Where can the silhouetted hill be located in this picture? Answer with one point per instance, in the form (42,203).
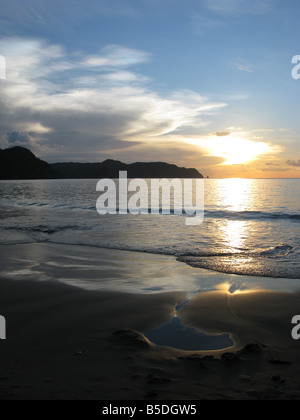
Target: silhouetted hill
(111,168)
(20,163)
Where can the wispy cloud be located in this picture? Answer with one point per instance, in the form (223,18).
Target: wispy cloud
(247,69)
(116,56)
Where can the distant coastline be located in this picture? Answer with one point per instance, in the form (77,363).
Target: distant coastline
(19,163)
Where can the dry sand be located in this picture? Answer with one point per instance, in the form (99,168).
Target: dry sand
(64,342)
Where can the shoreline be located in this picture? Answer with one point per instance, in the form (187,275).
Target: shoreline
(64,342)
(173,273)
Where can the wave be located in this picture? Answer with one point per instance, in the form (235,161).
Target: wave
(251,215)
(62,206)
(274,262)
(210,214)
(272,252)
(42,229)
(277,251)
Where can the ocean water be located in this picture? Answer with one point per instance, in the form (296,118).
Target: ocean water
(251,227)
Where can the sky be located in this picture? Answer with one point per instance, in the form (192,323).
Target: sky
(208,84)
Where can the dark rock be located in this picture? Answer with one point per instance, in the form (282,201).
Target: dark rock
(230,357)
(131,338)
(208,358)
(251,349)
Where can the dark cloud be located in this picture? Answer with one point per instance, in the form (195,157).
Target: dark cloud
(295,163)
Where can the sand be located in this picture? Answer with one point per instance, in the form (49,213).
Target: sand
(64,342)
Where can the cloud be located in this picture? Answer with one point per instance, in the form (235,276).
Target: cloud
(274,168)
(221,134)
(245,68)
(234,128)
(295,163)
(264,130)
(117,56)
(77,105)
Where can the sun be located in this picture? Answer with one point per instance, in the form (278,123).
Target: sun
(238,150)
(235,150)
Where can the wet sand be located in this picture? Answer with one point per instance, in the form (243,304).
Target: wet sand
(64,342)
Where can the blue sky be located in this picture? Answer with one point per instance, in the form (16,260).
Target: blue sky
(202,83)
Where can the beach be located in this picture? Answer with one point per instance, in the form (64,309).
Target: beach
(69,342)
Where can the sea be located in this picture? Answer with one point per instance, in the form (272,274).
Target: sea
(250,226)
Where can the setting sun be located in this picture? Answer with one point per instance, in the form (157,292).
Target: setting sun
(234,150)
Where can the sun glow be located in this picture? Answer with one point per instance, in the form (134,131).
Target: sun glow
(235,150)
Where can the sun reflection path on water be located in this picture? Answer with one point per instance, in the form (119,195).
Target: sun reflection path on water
(236,196)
